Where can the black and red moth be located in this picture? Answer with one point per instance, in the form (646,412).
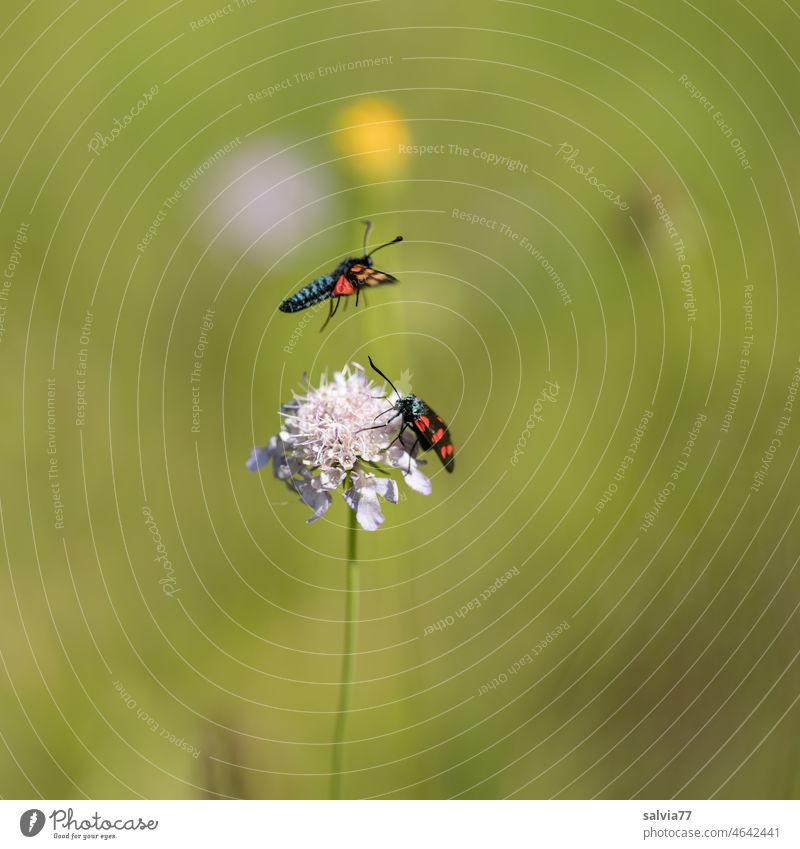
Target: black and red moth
(427,426)
(350,276)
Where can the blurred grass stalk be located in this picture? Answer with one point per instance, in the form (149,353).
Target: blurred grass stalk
(348,657)
(370,134)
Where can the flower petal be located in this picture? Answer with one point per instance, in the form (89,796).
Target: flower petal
(261,456)
(387,488)
(258,458)
(318,500)
(330,478)
(417,481)
(364,503)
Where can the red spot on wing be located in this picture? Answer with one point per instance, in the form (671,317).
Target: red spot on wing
(437,436)
(419,425)
(426,422)
(343,287)
(443,450)
(448,449)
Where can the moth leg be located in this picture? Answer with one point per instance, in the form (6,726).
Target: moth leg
(399,433)
(411,453)
(331,312)
(385,424)
(325,323)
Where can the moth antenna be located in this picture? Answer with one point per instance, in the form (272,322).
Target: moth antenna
(331,312)
(375,368)
(366,235)
(380,247)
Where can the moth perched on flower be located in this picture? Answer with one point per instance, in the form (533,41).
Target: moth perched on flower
(428,427)
(325,443)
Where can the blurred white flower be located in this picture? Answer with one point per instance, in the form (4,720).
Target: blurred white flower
(265,199)
(328,440)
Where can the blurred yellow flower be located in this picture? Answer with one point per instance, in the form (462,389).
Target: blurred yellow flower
(373,133)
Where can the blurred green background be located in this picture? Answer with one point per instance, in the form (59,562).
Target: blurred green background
(245,172)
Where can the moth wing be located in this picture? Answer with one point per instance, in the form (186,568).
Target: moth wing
(363,275)
(434,434)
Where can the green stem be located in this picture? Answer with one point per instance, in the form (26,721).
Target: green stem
(348,658)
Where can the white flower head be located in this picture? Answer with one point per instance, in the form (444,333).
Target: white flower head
(329,440)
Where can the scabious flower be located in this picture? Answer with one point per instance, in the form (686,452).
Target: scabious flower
(324,445)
